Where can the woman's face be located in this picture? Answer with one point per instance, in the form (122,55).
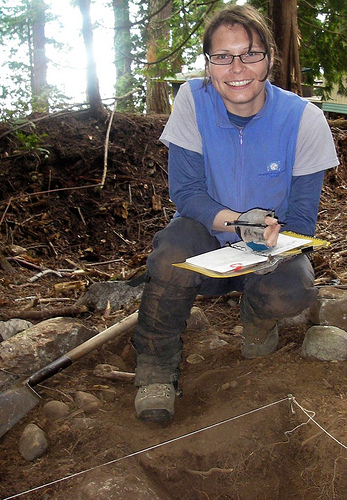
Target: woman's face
(239,84)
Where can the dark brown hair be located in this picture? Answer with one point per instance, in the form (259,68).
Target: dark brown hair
(251,20)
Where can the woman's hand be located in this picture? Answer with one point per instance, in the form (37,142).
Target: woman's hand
(261,237)
(271,232)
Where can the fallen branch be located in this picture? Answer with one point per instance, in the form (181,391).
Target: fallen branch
(113,373)
(47,313)
(120,98)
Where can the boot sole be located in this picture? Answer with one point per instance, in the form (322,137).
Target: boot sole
(155,415)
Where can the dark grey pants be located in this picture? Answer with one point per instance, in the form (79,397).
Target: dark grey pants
(170,293)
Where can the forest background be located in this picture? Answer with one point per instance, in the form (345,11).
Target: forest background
(152,42)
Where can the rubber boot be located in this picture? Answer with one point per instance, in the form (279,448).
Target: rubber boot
(163,313)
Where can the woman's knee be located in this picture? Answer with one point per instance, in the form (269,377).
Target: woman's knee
(181,239)
(285,292)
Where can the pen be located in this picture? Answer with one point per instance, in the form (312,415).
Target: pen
(249,224)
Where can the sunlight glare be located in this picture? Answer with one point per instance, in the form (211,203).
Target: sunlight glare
(68,68)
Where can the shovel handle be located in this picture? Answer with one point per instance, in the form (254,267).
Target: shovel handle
(78,352)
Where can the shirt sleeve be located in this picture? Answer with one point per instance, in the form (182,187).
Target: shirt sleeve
(303,203)
(187,186)
(182,128)
(315,148)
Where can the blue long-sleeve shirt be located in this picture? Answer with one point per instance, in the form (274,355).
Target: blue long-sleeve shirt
(188,192)
(276,161)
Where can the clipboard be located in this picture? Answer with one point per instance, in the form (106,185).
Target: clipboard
(238,259)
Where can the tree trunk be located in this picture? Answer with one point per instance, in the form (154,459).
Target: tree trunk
(157,98)
(93,93)
(125,82)
(39,89)
(285,25)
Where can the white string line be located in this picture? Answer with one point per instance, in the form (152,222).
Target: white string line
(144,450)
(287,433)
(307,413)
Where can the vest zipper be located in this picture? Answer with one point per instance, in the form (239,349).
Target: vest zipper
(241,136)
(240,170)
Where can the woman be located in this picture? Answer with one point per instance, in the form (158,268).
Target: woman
(240,149)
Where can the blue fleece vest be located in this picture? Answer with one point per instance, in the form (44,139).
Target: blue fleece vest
(250,167)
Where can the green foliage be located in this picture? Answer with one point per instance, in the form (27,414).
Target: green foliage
(125,84)
(323,28)
(31,143)
(323,48)
(185,28)
(323,41)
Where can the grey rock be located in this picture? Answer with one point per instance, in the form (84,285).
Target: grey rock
(120,485)
(116,360)
(54,410)
(87,402)
(197,319)
(117,294)
(12,327)
(33,442)
(327,343)
(34,348)
(330,308)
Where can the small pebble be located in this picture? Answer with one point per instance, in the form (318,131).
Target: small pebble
(237,330)
(194,359)
(87,402)
(117,361)
(197,319)
(84,423)
(217,343)
(233,303)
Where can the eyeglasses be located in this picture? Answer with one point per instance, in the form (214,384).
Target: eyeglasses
(246,58)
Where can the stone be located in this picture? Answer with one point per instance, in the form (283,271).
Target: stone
(85,423)
(330,308)
(54,410)
(122,484)
(33,442)
(116,360)
(194,359)
(237,330)
(216,343)
(107,395)
(113,294)
(12,327)
(87,402)
(327,343)
(197,319)
(37,346)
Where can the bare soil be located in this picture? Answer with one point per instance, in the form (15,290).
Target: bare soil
(230,436)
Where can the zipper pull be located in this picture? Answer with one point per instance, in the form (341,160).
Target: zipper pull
(241,136)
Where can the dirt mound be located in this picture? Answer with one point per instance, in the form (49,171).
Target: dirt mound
(236,433)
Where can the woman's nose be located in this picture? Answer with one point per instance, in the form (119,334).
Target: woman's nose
(237,65)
